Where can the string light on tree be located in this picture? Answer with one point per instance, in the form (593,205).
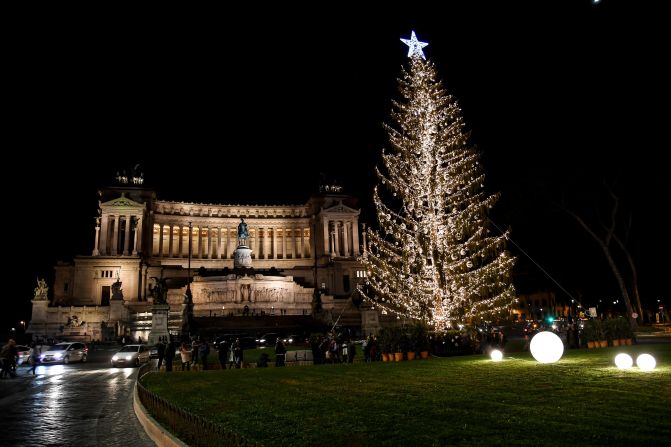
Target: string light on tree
(433,258)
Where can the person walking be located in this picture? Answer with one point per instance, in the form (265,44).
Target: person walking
(8,358)
(224,349)
(169,355)
(280,352)
(185,354)
(204,351)
(160,353)
(34,356)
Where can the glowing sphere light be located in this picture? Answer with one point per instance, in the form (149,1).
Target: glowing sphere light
(546,347)
(623,361)
(496,355)
(646,362)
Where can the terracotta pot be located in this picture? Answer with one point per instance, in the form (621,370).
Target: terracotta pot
(623,341)
(385,357)
(628,341)
(411,355)
(424,355)
(398,356)
(616,342)
(591,344)
(603,343)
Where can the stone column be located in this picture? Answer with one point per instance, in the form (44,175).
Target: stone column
(104,233)
(337,237)
(294,244)
(171,245)
(115,235)
(284,243)
(160,240)
(325,224)
(355,237)
(308,245)
(96,252)
(138,235)
(302,239)
(345,236)
(209,243)
(180,242)
(232,238)
(273,243)
(219,253)
(200,241)
(266,243)
(126,239)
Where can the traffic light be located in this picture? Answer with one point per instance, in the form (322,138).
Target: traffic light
(551,319)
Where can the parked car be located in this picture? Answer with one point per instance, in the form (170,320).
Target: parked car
(294,340)
(22,351)
(65,353)
(268,339)
(131,355)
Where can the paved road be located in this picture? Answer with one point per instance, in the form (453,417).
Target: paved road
(86,404)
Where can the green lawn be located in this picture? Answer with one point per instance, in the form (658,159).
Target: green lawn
(583,400)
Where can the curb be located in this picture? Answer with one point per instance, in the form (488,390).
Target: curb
(154,430)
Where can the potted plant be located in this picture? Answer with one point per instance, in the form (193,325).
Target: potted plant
(420,338)
(395,344)
(385,343)
(626,334)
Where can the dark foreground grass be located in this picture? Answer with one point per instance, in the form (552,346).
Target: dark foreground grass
(581,400)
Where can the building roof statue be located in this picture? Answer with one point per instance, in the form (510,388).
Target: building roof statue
(41,290)
(243,232)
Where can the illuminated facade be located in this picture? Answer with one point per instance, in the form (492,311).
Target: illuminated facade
(140,240)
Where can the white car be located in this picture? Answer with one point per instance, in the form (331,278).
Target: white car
(130,355)
(65,353)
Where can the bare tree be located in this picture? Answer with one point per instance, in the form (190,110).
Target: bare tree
(632,265)
(604,242)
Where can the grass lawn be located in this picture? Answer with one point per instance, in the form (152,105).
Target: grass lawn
(581,400)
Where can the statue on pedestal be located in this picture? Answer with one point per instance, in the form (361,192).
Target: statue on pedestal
(117,291)
(243,232)
(160,291)
(41,290)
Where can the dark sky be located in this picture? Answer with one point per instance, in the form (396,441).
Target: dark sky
(249,107)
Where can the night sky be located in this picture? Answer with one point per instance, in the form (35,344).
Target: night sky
(233,107)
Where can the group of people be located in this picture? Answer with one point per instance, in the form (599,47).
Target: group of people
(230,354)
(9,356)
(333,349)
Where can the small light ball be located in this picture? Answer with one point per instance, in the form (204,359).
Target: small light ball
(646,362)
(623,361)
(546,347)
(496,355)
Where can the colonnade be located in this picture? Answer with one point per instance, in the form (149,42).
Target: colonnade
(220,241)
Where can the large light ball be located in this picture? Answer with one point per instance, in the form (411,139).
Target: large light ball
(623,361)
(496,355)
(646,362)
(546,347)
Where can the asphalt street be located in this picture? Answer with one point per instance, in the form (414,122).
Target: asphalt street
(82,404)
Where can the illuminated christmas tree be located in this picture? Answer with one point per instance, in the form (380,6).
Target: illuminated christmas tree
(432,258)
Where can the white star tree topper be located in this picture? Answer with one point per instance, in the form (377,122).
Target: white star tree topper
(414,46)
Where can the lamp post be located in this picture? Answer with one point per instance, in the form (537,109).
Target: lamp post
(187,306)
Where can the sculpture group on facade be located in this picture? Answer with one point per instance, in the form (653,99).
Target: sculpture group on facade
(41,290)
(117,291)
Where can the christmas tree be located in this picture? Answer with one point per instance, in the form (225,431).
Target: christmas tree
(432,258)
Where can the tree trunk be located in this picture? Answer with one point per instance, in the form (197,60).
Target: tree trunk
(604,244)
(634,276)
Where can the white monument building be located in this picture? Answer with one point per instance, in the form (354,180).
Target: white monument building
(139,241)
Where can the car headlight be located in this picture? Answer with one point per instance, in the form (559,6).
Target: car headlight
(58,355)
(115,358)
(129,357)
